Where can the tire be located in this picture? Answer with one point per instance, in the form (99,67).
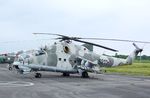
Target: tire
(38,75)
(66,74)
(85,75)
(10,68)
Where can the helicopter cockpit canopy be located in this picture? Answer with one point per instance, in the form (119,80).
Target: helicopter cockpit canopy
(39,52)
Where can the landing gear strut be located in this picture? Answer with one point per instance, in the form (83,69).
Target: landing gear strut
(38,75)
(83,73)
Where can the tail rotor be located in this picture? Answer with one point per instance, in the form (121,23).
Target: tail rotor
(139,50)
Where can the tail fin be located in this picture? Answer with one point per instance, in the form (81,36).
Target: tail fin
(132,56)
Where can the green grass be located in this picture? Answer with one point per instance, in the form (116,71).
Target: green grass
(140,69)
(142,61)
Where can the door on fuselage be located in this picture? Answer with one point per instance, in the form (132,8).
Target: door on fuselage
(63,63)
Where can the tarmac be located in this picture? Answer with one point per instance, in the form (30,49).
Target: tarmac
(53,85)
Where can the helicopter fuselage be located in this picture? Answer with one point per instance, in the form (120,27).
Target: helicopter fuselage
(65,57)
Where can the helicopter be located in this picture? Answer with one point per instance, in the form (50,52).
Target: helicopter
(68,58)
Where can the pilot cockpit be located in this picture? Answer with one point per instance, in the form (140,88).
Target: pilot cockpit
(40,52)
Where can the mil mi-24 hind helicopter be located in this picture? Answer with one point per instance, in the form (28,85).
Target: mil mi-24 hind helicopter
(68,58)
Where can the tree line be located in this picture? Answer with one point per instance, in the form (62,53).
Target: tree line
(142,57)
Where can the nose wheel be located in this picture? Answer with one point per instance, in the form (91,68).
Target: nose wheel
(38,75)
(10,68)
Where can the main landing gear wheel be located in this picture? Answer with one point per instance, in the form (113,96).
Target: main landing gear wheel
(66,74)
(85,75)
(38,75)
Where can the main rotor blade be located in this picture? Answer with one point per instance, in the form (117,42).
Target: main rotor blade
(96,45)
(63,37)
(117,40)
(77,39)
(73,38)
(50,34)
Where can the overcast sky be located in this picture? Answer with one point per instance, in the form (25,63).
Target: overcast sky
(122,19)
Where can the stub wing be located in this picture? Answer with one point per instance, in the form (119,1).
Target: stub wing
(27,68)
(87,60)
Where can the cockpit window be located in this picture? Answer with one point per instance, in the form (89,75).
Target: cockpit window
(39,52)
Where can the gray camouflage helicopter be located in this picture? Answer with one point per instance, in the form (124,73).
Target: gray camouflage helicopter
(68,58)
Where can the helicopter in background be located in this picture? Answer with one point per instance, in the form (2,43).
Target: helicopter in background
(68,58)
